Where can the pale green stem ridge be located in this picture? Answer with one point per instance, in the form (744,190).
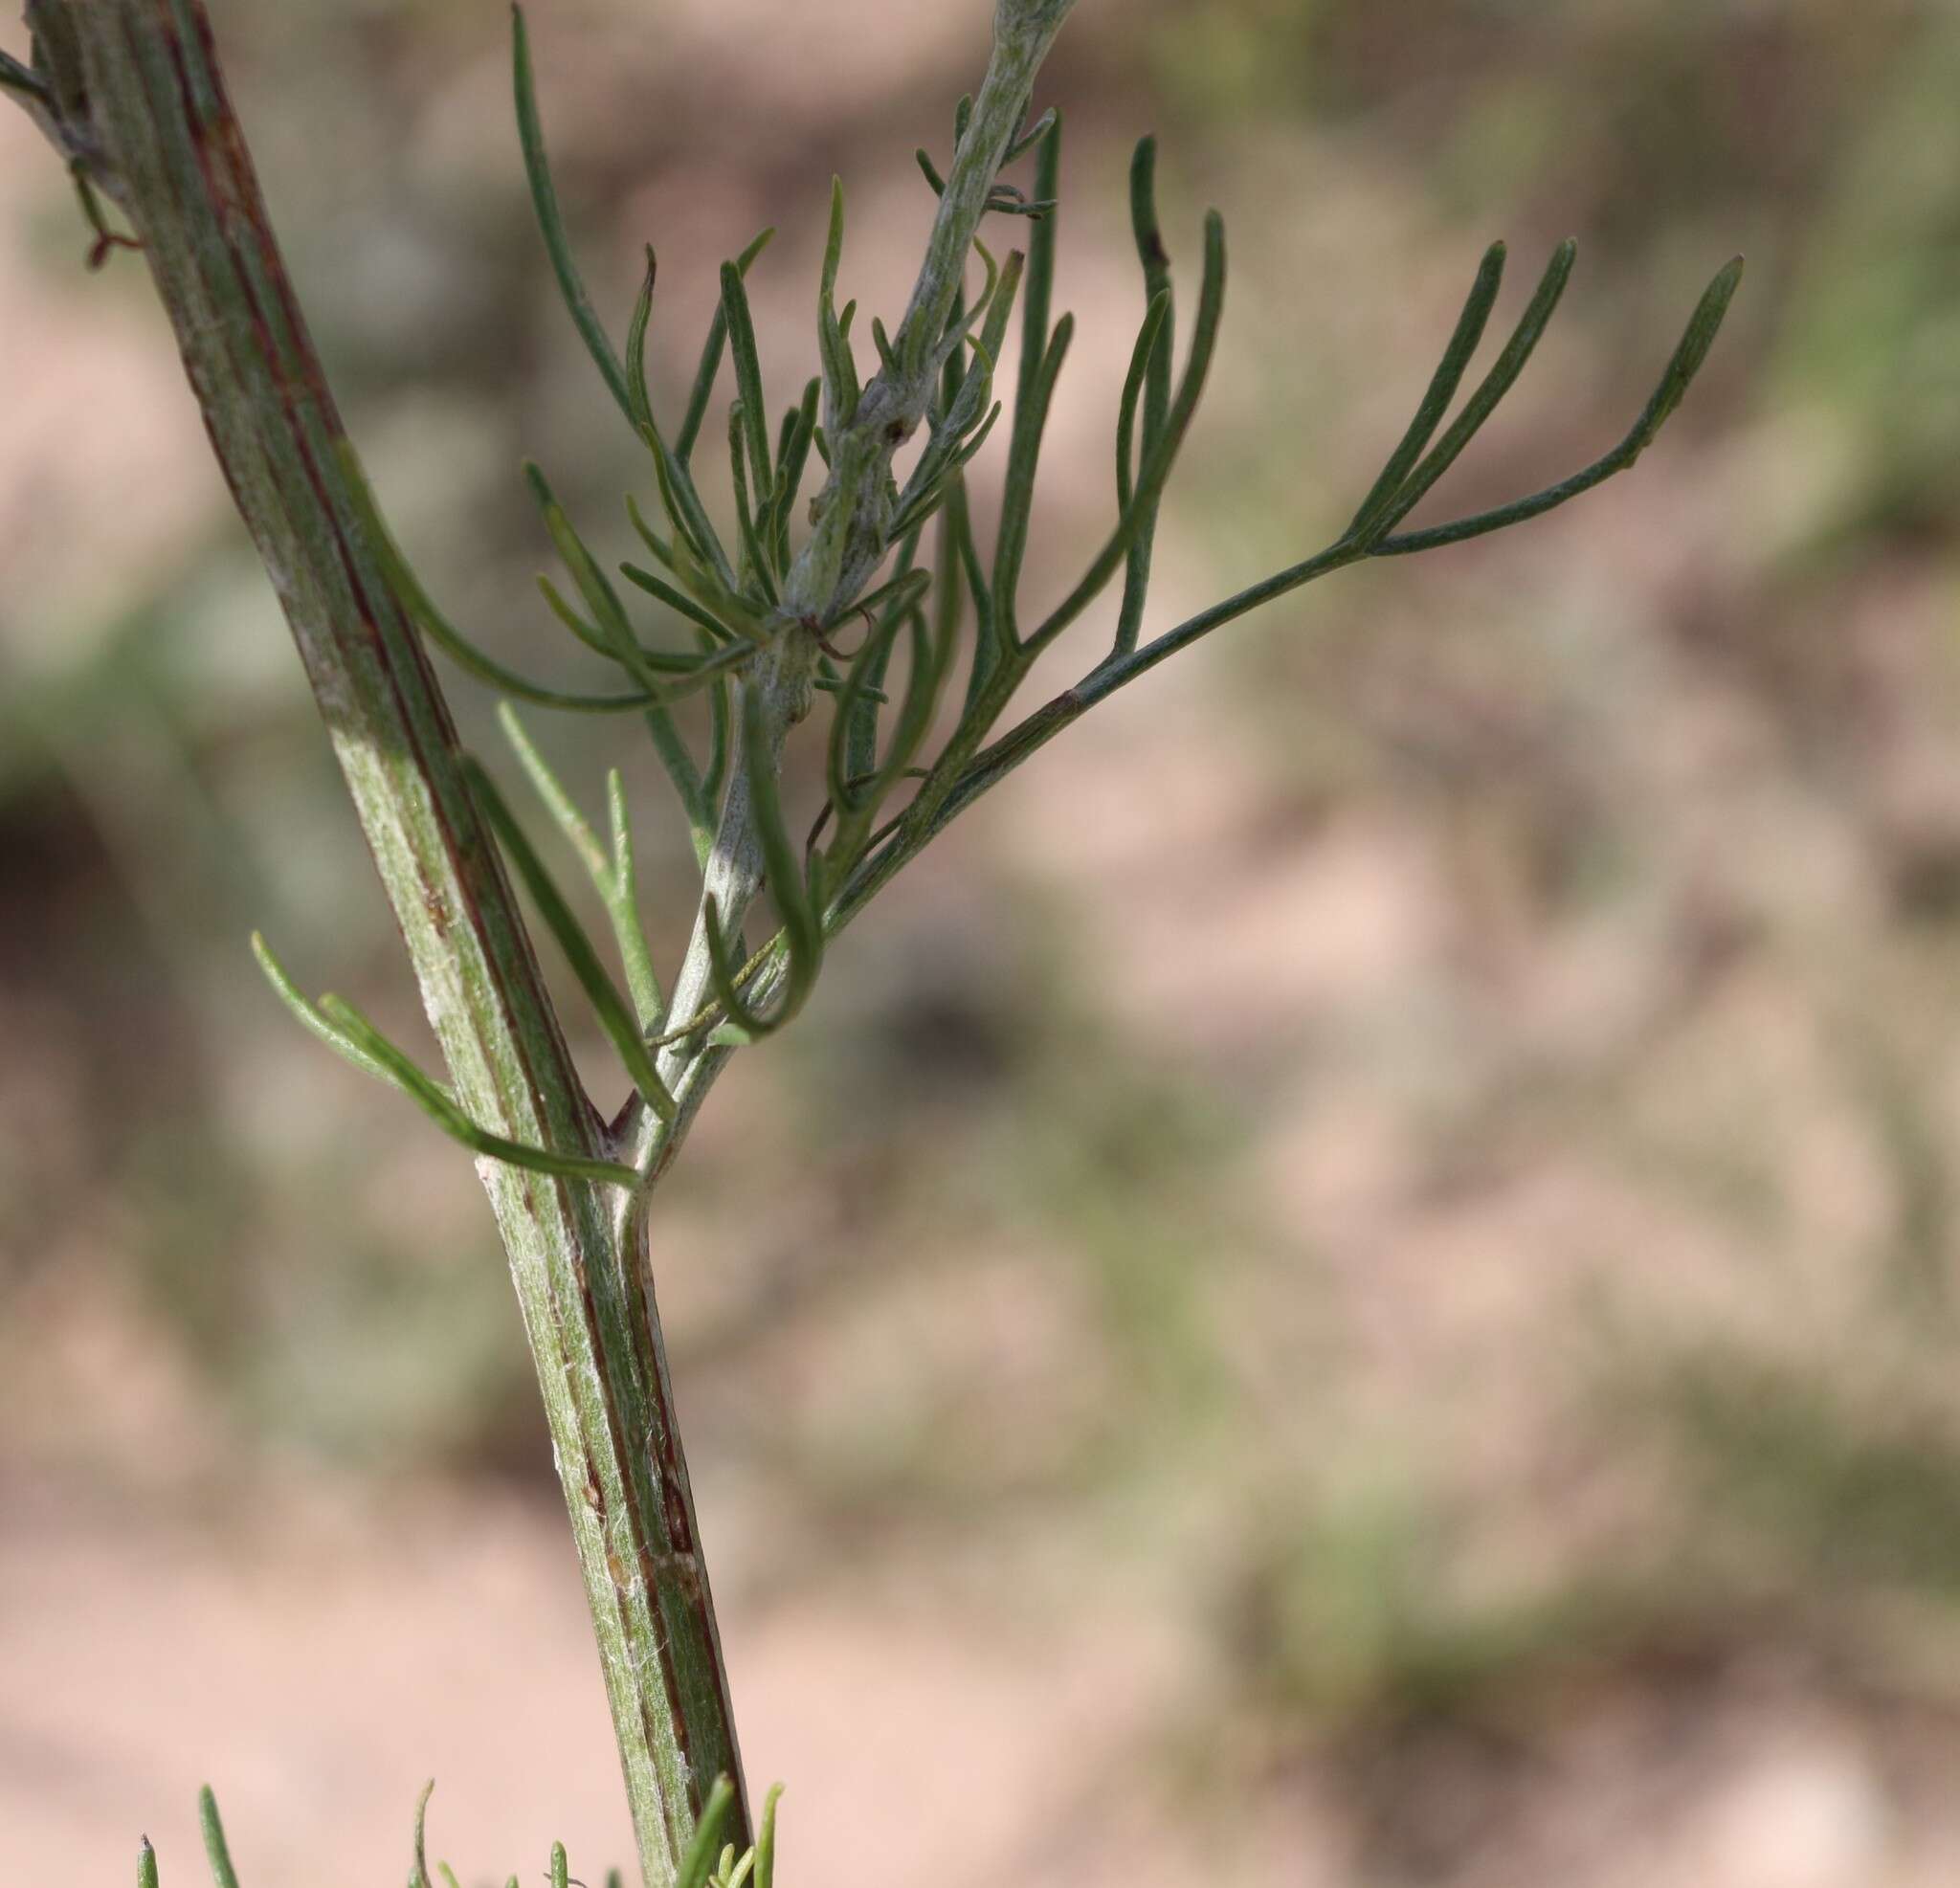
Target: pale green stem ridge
(167,137)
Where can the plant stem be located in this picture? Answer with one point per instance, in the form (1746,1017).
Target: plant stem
(854,532)
(141,106)
(160,126)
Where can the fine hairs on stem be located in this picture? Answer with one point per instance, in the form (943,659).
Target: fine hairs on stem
(816,601)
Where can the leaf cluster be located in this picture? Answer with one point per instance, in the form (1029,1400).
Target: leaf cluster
(772,598)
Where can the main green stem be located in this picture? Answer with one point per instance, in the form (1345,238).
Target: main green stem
(160,134)
(141,106)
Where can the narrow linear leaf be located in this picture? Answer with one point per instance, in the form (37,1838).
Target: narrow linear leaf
(309,1018)
(608,1004)
(1017,496)
(1154,318)
(740,327)
(1442,389)
(755,558)
(1157,464)
(721,725)
(421,611)
(840,389)
(790,464)
(1686,362)
(1481,404)
(901,592)
(418,1876)
(216,1850)
(441,1107)
(703,389)
(1147,229)
(622,900)
(783,874)
(345,1031)
(689,516)
(858,717)
(677,601)
(558,802)
(642,412)
(850,762)
(699,1857)
(551,223)
(600,597)
(1037,287)
(660,661)
(677,761)
(765,1840)
(1031,136)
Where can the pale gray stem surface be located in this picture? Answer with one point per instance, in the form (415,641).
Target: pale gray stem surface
(854,511)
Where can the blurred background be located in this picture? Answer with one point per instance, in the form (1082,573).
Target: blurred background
(1355,1283)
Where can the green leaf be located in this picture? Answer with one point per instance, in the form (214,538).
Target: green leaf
(858,716)
(623,901)
(1442,389)
(747,375)
(1158,463)
(600,597)
(840,389)
(684,508)
(419,1873)
(345,1031)
(551,223)
(765,1840)
(711,353)
(851,756)
(783,874)
(1018,495)
(720,732)
(608,1004)
(309,1018)
(421,611)
(558,802)
(1037,289)
(676,600)
(791,463)
(1140,360)
(755,558)
(1031,136)
(1682,368)
(642,414)
(1147,233)
(216,1851)
(146,1865)
(699,1857)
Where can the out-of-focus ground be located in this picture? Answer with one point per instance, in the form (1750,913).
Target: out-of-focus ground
(1353,1284)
